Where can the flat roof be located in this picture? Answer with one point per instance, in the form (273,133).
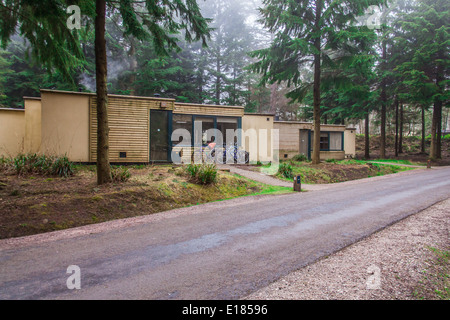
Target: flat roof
(207,105)
(109,95)
(301,122)
(12,109)
(31,98)
(259,114)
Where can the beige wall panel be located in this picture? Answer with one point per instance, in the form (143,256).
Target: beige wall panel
(12,132)
(33,125)
(350,143)
(336,155)
(289,135)
(259,148)
(65,125)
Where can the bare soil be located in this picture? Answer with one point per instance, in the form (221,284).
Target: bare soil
(35,204)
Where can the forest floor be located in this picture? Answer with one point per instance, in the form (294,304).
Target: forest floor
(411,150)
(34,204)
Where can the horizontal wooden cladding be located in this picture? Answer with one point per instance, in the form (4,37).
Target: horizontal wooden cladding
(210,110)
(128,124)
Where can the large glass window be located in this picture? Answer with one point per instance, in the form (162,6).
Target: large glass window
(182,121)
(228,127)
(203,127)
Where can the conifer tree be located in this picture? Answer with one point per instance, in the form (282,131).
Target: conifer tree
(309,35)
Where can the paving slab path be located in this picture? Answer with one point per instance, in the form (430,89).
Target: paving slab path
(267,179)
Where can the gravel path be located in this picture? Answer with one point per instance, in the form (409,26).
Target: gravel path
(399,254)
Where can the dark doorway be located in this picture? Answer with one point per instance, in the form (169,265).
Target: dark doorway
(159,135)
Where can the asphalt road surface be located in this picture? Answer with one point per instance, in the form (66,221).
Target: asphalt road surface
(222,250)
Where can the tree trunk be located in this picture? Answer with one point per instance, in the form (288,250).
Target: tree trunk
(400,140)
(439,83)
(133,67)
(103,166)
(433,146)
(436,128)
(422,143)
(366,138)
(273,98)
(316,92)
(396,127)
(439,130)
(383,107)
(218,73)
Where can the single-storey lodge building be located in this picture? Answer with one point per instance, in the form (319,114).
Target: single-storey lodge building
(145,130)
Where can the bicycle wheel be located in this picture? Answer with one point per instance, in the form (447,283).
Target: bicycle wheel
(241,157)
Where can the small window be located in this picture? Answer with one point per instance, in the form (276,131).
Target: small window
(324,142)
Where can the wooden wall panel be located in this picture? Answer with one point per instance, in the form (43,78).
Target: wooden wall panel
(129,128)
(184,108)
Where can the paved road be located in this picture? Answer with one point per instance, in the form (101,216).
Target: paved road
(222,250)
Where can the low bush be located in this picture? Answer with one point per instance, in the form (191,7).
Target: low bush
(207,174)
(192,170)
(61,167)
(202,173)
(300,158)
(120,174)
(38,164)
(286,170)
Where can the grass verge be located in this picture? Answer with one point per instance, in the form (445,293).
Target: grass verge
(334,171)
(435,284)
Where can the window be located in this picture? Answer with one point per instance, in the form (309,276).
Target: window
(203,127)
(329,141)
(324,142)
(228,127)
(182,121)
(335,142)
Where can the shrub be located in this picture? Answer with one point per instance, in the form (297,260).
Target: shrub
(39,164)
(207,174)
(300,158)
(24,163)
(120,174)
(202,173)
(192,170)
(331,160)
(60,167)
(286,170)
(5,163)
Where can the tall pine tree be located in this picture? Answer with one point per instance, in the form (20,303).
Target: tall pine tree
(309,34)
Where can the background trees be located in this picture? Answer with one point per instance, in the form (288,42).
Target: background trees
(317,35)
(394,79)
